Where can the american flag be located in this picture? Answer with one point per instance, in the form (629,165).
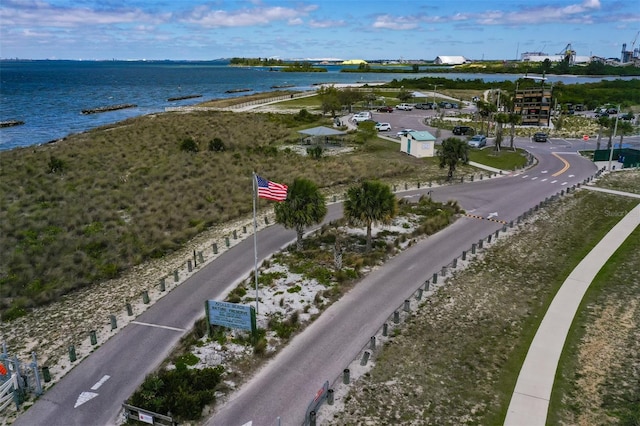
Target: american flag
(271,190)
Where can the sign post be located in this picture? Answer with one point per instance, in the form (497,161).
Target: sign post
(231,315)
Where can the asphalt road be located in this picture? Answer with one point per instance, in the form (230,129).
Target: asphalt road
(92,393)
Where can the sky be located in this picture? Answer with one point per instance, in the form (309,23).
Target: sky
(316,29)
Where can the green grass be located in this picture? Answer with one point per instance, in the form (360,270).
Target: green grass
(504,160)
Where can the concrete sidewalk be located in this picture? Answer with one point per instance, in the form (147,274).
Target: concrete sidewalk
(530,401)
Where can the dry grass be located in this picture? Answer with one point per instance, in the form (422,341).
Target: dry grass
(457,359)
(127,193)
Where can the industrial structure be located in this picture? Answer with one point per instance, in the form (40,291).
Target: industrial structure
(631,55)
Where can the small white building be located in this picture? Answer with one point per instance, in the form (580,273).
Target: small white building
(418,144)
(451,60)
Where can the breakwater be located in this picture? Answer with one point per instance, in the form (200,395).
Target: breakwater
(11,123)
(108,108)
(237,90)
(180,98)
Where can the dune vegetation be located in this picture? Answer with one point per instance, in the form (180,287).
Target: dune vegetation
(85,209)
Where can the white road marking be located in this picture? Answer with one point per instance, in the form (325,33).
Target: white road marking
(492,215)
(84,397)
(166,327)
(544,180)
(534,178)
(563,183)
(572,175)
(544,171)
(100,382)
(525,176)
(553,181)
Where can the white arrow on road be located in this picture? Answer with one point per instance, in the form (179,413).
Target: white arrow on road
(84,397)
(494,214)
(88,396)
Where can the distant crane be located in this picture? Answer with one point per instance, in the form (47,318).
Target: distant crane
(569,55)
(629,55)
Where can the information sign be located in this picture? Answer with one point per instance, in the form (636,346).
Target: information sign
(231,315)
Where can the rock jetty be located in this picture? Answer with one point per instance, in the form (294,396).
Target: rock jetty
(11,123)
(179,98)
(238,90)
(108,108)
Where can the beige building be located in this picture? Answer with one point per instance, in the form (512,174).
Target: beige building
(418,144)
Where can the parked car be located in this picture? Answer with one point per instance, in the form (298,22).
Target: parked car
(405,107)
(445,105)
(385,108)
(361,116)
(463,130)
(383,127)
(424,105)
(540,137)
(478,141)
(404,132)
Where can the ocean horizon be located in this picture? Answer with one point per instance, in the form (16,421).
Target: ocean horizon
(49,96)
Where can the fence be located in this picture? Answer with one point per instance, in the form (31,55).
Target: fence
(17,379)
(431,285)
(243,105)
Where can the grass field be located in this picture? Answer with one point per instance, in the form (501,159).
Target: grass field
(456,361)
(83,210)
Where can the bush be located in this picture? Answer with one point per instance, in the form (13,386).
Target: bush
(315,152)
(216,145)
(184,393)
(189,145)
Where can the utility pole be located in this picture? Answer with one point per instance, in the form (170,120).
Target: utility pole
(434,94)
(613,139)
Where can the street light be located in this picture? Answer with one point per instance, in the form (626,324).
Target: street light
(434,94)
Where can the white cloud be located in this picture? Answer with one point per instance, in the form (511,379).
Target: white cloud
(326,24)
(389,22)
(204,16)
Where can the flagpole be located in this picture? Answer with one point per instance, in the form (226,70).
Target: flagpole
(255,238)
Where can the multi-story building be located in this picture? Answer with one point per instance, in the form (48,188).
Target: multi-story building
(534,105)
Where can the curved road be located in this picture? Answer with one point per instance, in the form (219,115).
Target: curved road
(92,393)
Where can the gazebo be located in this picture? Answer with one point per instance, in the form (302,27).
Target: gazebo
(321,134)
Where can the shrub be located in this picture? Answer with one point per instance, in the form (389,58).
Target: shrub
(184,393)
(189,145)
(55,165)
(315,152)
(216,145)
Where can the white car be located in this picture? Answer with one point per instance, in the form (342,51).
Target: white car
(383,127)
(361,116)
(404,132)
(405,107)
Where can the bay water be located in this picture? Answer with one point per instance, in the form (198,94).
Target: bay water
(50,95)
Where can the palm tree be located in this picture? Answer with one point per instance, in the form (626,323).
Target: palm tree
(514,120)
(304,206)
(368,203)
(501,118)
(453,151)
(624,128)
(486,109)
